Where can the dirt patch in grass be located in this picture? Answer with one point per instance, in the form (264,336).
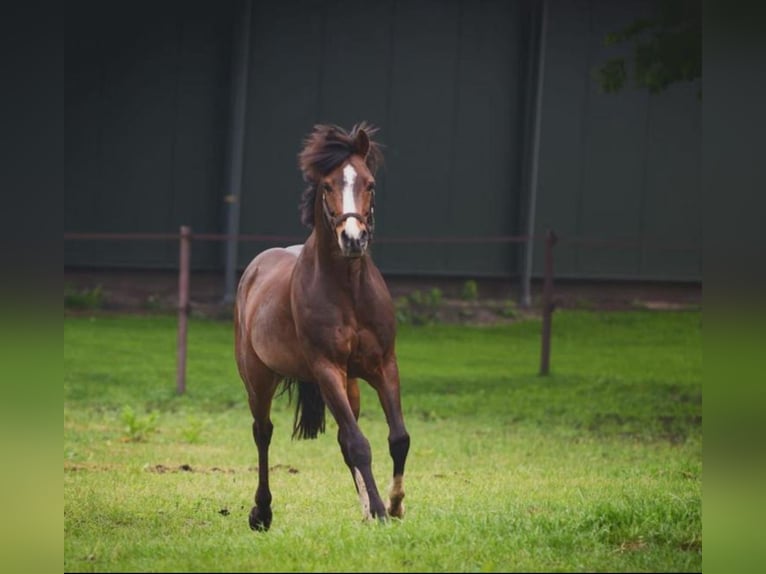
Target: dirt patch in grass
(165,469)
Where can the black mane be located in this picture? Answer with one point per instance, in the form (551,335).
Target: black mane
(327,147)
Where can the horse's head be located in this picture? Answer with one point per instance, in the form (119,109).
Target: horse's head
(340,166)
(348,202)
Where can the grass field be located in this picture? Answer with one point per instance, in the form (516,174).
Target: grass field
(597,467)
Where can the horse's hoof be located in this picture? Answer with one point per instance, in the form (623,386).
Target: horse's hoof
(375,519)
(259,521)
(396,509)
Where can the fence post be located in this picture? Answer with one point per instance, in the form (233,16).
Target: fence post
(183,305)
(548,304)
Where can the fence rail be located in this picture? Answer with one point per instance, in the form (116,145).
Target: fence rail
(185,236)
(295,238)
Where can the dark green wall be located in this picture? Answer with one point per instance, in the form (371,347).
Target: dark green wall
(146,104)
(619,167)
(148,100)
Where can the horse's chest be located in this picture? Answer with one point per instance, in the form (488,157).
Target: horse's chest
(366,352)
(350,330)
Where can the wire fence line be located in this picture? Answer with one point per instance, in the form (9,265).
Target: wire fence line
(185,237)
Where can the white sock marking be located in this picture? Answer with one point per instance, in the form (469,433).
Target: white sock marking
(395,506)
(364,498)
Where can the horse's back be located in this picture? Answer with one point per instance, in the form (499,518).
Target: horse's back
(296,249)
(266,277)
(269,265)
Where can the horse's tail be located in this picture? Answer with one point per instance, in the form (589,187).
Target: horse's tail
(309,409)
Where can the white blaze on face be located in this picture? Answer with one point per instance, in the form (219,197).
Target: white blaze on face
(351,225)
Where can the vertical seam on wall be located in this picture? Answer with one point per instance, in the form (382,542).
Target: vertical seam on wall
(170,248)
(584,136)
(536,124)
(322,55)
(389,136)
(390,70)
(102,113)
(524,138)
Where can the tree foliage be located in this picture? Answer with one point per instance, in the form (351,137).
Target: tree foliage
(667,48)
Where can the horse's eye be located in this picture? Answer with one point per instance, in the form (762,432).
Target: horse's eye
(327,188)
(371,186)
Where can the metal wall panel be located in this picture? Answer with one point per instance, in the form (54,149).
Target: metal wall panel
(672,208)
(148,104)
(621,167)
(145,103)
(566,89)
(420,134)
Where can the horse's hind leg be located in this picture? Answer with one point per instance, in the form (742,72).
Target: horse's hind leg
(261,383)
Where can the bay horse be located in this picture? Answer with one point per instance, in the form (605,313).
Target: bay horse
(319,316)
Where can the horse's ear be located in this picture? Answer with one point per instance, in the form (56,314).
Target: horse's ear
(362,143)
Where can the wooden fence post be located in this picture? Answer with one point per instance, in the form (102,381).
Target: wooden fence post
(183,305)
(548,304)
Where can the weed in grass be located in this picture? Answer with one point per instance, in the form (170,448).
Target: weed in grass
(469,291)
(402,307)
(509,310)
(192,432)
(419,307)
(138,428)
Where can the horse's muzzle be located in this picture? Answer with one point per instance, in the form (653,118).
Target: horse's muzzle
(354,246)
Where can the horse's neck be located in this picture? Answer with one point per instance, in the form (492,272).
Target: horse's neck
(333,270)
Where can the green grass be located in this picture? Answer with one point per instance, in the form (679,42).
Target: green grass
(596,467)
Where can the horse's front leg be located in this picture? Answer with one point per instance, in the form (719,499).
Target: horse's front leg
(353,444)
(387,387)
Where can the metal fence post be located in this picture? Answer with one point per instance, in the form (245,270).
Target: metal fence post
(183,305)
(548,304)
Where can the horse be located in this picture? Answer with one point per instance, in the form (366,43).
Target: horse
(319,316)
